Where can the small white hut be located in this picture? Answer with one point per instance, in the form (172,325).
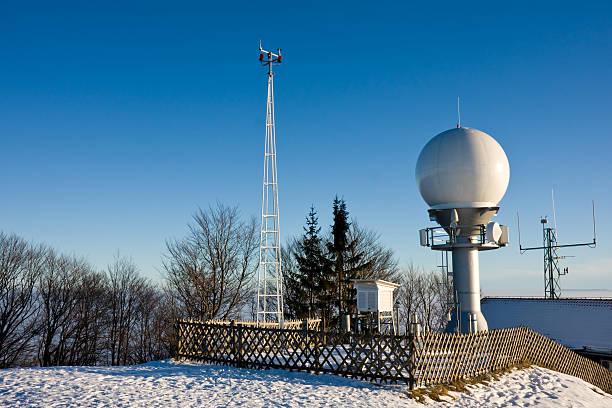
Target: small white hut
(376,296)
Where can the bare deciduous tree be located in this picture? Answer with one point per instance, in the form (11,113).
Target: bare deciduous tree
(126,290)
(91,319)
(20,268)
(209,272)
(151,327)
(379,262)
(57,310)
(423,297)
(374,261)
(406,295)
(59,289)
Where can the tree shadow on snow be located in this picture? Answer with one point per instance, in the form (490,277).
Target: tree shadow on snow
(167,368)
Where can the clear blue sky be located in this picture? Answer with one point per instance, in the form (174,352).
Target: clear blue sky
(118,121)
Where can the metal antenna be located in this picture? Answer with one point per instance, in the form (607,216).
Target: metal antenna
(552,271)
(552,194)
(518,220)
(594,234)
(458,114)
(269,273)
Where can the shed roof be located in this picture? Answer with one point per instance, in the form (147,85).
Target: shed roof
(378,282)
(577,323)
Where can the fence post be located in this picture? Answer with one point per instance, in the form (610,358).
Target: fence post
(239,345)
(318,344)
(233,356)
(323,334)
(412,361)
(177,333)
(305,332)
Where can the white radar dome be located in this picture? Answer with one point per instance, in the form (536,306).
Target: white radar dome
(462,168)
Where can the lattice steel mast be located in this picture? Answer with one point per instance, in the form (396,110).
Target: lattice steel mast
(269,275)
(552,269)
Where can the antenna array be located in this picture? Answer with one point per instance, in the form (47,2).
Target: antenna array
(552,270)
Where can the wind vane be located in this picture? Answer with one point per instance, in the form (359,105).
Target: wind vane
(269,58)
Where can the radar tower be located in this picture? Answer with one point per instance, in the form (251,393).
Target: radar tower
(462,174)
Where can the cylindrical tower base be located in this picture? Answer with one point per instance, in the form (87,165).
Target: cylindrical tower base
(466,292)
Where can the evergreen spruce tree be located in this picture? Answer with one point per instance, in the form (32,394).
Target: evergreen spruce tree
(346,257)
(293,291)
(337,247)
(317,280)
(310,283)
(309,262)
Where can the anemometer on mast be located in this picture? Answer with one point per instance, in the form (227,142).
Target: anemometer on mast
(552,270)
(268,58)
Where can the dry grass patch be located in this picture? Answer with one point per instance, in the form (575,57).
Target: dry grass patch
(436,391)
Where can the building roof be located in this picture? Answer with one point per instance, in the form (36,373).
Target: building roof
(377,282)
(577,323)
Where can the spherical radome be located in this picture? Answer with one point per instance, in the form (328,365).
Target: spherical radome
(462,168)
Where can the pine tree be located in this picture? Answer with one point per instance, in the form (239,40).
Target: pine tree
(317,278)
(337,247)
(347,258)
(294,293)
(310,283)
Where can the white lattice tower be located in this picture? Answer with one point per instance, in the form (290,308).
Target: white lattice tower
(270,276)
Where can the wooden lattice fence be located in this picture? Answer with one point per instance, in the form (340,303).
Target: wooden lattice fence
(313,324)
(430,358)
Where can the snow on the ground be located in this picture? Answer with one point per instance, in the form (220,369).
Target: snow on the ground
(169,384)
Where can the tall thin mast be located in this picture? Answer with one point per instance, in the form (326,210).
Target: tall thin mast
(269,275)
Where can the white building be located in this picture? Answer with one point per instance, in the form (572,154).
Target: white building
(581,324)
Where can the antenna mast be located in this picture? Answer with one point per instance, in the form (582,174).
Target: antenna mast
(269,274)
(552,270)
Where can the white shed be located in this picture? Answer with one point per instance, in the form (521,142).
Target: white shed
(374,295)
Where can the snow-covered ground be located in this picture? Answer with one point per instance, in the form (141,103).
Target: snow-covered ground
(169,384)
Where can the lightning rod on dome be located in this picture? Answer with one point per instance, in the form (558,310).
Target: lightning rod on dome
(458,114)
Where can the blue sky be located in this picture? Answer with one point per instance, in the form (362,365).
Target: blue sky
(118,121)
